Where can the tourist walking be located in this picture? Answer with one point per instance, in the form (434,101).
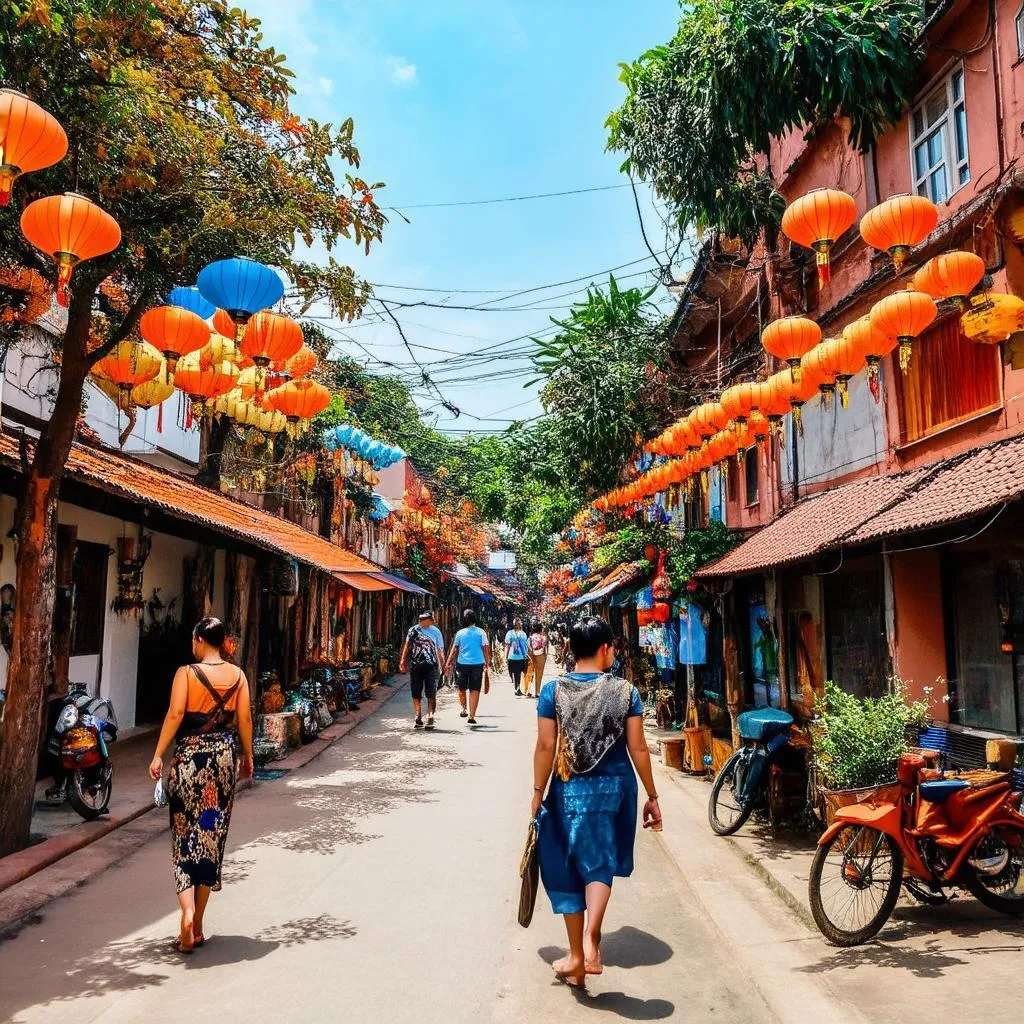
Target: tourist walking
(422,657)
(517,653)
(538,657)
(589,730)
(471,655)
(210,716)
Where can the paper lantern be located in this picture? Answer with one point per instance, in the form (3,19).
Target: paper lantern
(710,418)
(791,338)
(992,318)
(816,221)
(848,360)
(241,287)
(271,338)
(951,275)
(873,343)
(127,365)
(299,400)
(152,392)
(192,300)
(898,224)
(739,400)
(823,363)
(775,399)
(30,139)
(174,331)
(301,364)
(204,382)
(70,229)
(904,314)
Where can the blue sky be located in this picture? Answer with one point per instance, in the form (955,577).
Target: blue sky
(455,101)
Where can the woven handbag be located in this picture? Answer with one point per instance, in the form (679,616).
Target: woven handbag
(529,872)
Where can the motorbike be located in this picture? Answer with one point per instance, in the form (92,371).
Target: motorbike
(926,832)
(742,784)
(78,742)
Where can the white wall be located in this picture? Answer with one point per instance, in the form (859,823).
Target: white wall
(837,441)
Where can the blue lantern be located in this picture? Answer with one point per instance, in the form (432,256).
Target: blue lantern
(239,286)
(192,300)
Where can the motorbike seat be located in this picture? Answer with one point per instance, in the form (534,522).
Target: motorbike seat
(939,790)
(763,723)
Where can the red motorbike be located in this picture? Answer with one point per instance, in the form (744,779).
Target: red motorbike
(927,832)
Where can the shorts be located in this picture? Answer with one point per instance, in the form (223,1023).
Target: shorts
(423,678)
(469,677)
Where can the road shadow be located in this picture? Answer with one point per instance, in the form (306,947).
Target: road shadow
(625,948)
(624,1006)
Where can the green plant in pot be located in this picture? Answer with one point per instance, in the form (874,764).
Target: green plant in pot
(855,742)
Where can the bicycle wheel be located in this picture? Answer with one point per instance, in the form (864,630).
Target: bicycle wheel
(854,884)
(727,812)
(1003,890)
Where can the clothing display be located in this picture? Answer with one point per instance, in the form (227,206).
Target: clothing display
(693,634)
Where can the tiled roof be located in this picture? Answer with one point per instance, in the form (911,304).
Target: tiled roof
(944,492)
(180,497)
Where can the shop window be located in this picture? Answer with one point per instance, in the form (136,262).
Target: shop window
(750,470)
(950,379)
(938,126)
(858,654)
(90,598)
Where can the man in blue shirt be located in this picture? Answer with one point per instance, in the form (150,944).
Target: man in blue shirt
(471,655)
(422,656)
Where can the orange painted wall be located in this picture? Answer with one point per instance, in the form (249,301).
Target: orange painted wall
(920,639)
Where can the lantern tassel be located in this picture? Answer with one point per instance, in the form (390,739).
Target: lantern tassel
(160,418)
(794,371)
(64,268)
(905,352)
(824,265)
(798,418)
(844,393)
(873,385)
(188,416)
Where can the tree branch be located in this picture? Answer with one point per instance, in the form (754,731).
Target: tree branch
(126,327)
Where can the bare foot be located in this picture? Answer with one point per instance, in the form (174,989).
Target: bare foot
(571,971)
(186,939)
(592,954)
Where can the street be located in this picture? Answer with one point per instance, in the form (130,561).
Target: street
(379,883)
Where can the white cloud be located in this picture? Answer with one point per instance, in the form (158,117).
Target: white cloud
(402,71)
(326,86)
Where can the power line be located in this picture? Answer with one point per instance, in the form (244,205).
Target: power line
(504,199)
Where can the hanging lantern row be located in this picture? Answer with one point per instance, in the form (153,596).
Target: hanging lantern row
(380,455)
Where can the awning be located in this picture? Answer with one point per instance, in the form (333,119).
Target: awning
(401,583)
(621,576)
(364,581)
(874,508)
(180,497)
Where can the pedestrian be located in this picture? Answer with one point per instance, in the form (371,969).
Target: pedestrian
(422,657)
(209,715)
(538,656)
(517,653)
(471,655)
(589,728)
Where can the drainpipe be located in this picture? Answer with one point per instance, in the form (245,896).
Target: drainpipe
(998,86)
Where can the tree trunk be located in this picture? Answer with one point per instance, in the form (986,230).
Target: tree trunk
(36,528)
(67,537)
(211,450)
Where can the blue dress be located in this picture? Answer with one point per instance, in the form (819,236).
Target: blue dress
(587,826)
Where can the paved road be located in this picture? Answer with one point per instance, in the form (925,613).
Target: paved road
(377,884)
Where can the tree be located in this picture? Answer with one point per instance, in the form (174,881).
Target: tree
(179,126)
(701,111)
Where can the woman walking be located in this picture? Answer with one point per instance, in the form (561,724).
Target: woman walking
(538,657)
(516,653)
(590,734)
(209,714)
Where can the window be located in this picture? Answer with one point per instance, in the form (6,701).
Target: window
(750,468)
(90,598)
(858,651)
(950,379)
(1019,21)
(939,140)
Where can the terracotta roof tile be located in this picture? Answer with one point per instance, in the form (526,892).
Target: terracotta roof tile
(181,497)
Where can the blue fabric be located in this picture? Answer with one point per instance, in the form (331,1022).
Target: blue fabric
(517,638)
(436,635)
(587,826)
(470,642)
(693,636)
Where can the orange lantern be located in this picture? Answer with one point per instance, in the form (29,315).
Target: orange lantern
(204,382)
(224,323)
(848,361)
(992,318)
(775,399)
(898,224)
(824,365)
(127,365)
(30,139)
(951,275)
(299,400)
(758,427)
(873,343)
(739,400)
(301,364)
(271,338)
(816,220)
(904,314)
(791,338)
(174,331)
(70,229)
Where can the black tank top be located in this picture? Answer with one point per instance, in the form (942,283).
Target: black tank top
(220,719)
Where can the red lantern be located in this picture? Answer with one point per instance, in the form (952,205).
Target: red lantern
(790,339)
(129,364)
(816,221)
(898,224)
(174,331)
(271,338)
(951,275)
(904,315)
(739,400)
(30,139)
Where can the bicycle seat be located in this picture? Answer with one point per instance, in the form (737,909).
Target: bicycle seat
(763,723)
(939,790)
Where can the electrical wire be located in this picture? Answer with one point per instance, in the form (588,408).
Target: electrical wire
(398,207)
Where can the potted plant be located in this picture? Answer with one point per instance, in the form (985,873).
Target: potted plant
(856,743)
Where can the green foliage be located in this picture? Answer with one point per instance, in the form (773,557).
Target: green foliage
(700,109)
(858,742)
(697,549)
(627,544)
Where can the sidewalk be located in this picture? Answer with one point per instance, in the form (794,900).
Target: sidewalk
(77,850)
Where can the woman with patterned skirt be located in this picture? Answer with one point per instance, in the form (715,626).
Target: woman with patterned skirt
(209,715)
(590,738)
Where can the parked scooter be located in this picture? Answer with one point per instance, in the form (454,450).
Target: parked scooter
(83,774)
(926,832)
(742,784)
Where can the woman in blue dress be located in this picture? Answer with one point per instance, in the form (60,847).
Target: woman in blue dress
(590,737)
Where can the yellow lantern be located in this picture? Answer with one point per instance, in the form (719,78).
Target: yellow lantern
(992,318)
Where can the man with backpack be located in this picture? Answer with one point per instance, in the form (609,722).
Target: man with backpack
(422,657)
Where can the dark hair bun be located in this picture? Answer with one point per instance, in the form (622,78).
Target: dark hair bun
(211,631)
